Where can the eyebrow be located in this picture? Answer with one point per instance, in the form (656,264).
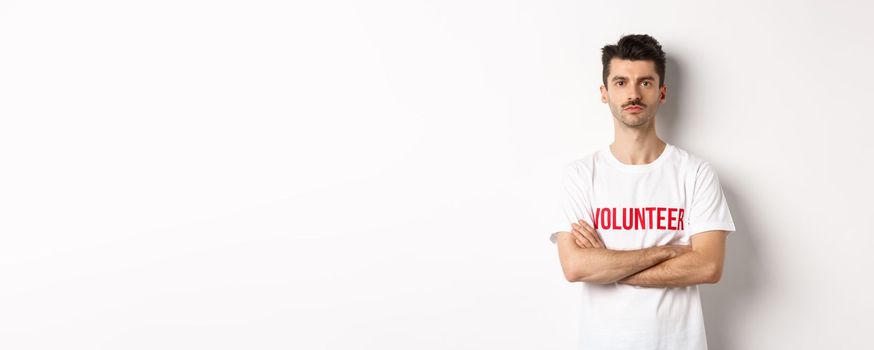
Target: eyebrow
(619,77)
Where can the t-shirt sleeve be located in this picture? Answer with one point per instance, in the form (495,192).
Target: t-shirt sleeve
(573,201)
(709,209)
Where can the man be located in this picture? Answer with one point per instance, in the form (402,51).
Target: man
(643,222)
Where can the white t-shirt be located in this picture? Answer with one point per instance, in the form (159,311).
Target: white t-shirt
(633,207)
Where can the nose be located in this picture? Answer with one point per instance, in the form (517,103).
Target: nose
(633,94)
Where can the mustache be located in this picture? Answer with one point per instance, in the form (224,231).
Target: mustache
(634,103)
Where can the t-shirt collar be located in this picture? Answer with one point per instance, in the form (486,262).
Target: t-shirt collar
(637,168)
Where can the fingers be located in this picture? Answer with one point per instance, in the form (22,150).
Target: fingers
(578,237)
(596,235)
(582,241)
(589,237)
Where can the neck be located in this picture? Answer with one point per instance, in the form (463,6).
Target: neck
(636,146)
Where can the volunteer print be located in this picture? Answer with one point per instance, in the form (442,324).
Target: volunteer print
(646,218)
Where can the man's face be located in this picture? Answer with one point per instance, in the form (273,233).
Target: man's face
(633,92)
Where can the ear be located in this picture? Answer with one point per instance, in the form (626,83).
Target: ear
(603,94)
(663,93)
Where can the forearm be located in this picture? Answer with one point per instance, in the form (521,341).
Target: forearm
(687,269)
(602,266)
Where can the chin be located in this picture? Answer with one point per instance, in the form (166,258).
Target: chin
(631,121)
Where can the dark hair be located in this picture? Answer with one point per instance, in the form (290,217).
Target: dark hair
(635,47)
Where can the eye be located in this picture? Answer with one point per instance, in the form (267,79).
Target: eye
(620,83)
(647,83)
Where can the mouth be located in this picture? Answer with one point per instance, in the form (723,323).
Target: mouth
(633,108)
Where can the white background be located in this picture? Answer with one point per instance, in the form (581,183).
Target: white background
(351,175)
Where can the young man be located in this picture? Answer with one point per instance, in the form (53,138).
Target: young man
(643,222)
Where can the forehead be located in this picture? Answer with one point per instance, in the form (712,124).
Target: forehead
(631,69)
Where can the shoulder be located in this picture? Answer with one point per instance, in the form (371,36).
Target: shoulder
(691,162)
(577,174)
(580,166)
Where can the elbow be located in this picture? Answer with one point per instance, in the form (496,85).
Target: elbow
(589,277)
(570,276)
(576,264)
(569,269)
(713,274)
(573,272)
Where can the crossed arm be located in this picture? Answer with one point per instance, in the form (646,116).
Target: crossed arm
(584,258)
